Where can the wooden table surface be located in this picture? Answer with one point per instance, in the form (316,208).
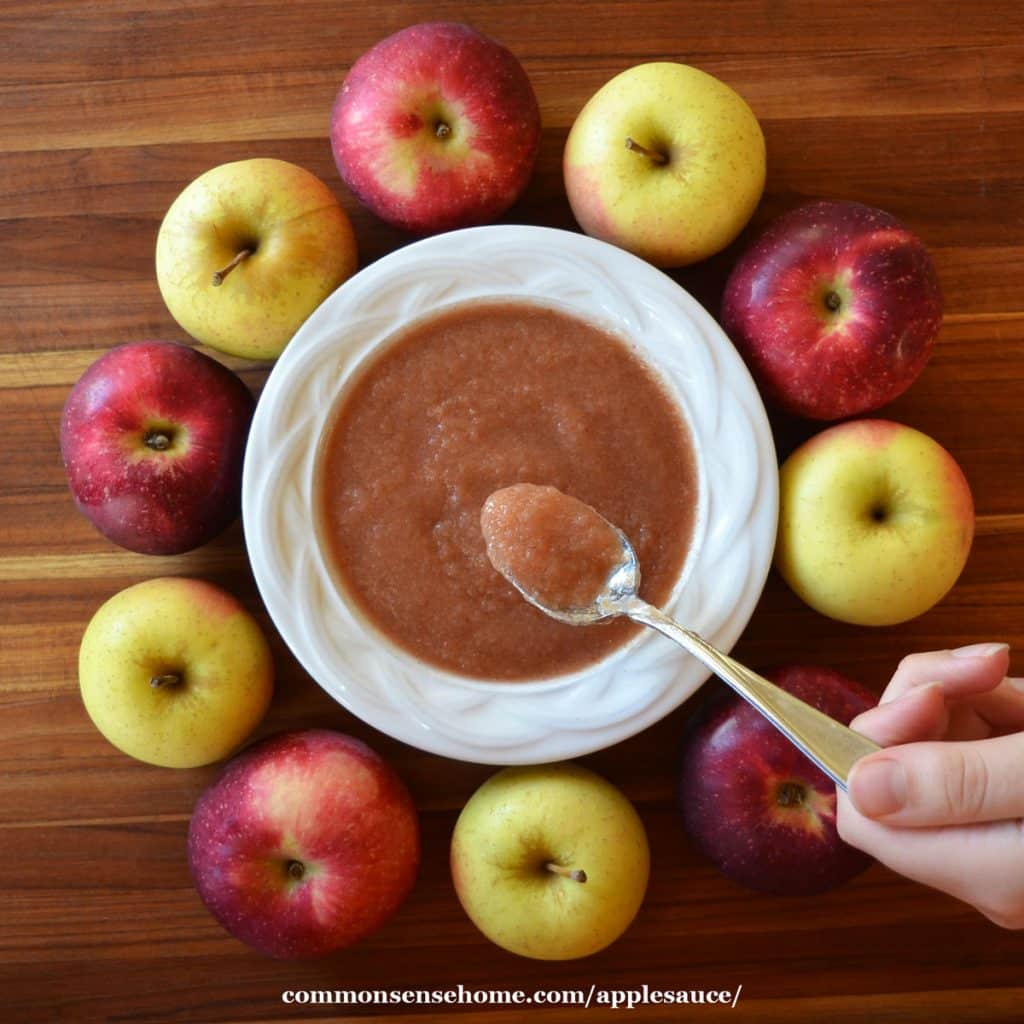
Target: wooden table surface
(107,109)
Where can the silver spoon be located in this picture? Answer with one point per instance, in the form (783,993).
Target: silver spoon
(829,744)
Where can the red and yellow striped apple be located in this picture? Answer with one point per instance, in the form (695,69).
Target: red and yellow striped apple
(835,309)
(436,127)
(753,804)
(308,842)
(153,437)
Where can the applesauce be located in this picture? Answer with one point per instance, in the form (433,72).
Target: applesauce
(550,544)
(459,405)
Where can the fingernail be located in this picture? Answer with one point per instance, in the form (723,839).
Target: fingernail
(1017,684)
(878,787)
(980,650)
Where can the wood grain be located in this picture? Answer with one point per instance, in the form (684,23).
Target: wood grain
(106,112)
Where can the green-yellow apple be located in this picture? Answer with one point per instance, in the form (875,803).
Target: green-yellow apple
(550,862)
(875,522)
(248,251)
(665,161)
(175,672)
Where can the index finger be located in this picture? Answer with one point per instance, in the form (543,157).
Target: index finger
(964,672)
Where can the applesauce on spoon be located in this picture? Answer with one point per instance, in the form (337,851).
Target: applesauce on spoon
(550,544)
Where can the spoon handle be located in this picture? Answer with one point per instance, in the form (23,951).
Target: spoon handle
(829,744)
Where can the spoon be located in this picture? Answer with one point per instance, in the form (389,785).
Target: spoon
(829,744)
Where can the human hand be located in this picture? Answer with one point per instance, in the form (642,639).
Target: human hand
(944,805)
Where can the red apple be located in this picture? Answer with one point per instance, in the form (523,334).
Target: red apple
(306,843)
(153,436)
(436,127)
(756,806)
(835,308)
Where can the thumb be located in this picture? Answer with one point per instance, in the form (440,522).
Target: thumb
(926,784)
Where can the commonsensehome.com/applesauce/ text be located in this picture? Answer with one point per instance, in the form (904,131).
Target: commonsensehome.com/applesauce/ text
(613,998)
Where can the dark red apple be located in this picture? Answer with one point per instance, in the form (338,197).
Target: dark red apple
(306,843)
(153,436)
(436,127)
(835,309)
(757,807)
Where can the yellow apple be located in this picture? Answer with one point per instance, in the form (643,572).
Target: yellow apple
(550,862)
(665,161)
(248,251)
(175,672)
(875,522)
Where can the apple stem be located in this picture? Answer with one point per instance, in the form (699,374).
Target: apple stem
(218,277)
(296,869)
(575,874)
(157,441)
(790,794)
(168,679)
(651,154)
(442,130)
(833,301)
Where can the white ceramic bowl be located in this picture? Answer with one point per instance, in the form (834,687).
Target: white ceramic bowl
(486,721)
